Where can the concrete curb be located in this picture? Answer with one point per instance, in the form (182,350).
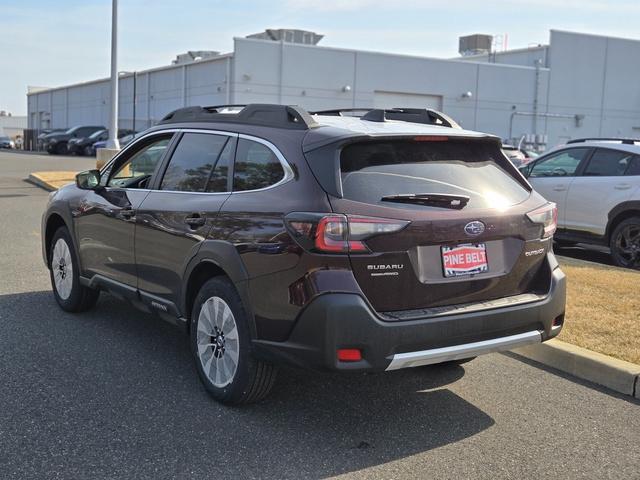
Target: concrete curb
(38,181)
(51,180)
(617,375)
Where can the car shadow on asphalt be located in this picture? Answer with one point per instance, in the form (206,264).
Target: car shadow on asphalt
(585,252)
(571,378)
(119,390)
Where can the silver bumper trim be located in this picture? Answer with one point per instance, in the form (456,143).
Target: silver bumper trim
(466,350)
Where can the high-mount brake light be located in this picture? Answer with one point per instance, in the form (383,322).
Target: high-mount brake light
(339,234)
(547,216)
(430,138)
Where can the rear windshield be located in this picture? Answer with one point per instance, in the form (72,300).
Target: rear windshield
(372,170)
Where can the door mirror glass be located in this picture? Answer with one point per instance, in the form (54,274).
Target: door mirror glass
(88,180)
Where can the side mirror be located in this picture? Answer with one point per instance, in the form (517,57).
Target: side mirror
(89,180)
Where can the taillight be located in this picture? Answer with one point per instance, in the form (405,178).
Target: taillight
(331,234)
(547,216)
(339,233)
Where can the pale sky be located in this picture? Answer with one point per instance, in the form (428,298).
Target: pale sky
(58,42)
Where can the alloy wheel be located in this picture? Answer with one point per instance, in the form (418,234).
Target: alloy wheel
(217,340)
(62,268)
(627,246)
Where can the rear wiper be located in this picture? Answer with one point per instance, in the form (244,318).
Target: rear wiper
(443,200)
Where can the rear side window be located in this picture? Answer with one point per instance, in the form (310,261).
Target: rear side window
(634,166)
(608,163)
(373,170)
(256,166)
(192,162)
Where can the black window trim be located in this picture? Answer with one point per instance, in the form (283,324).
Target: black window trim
(162,165)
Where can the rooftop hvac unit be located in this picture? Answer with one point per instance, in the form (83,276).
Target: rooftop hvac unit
(476,44)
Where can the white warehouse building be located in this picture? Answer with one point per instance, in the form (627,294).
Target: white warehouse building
(576,86)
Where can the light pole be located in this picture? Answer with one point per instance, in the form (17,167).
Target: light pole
(113,143)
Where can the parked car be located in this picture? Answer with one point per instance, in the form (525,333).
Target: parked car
(328,242)
(125,139)
(529,154)
(85,145)
(7,143)
(596,185)
(517,157)
(44,132)
(56,142)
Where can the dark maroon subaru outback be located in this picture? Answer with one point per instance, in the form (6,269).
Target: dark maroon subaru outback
(363,240)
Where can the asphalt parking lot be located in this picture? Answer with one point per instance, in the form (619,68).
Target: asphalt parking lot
(114,394)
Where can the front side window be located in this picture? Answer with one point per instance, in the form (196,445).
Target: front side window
(137,170)
(562,164)
(608,163)
(256,166)
(192,162)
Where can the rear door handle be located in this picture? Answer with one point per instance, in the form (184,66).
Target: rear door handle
(559,188)
(195,220)
(622,186)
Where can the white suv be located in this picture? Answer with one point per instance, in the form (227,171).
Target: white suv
(596,184)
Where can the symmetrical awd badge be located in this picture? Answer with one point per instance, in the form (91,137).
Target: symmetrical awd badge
(475,228)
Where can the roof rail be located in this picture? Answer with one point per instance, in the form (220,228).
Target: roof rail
(340,112)
(412,115)
(626,141)
(267,115)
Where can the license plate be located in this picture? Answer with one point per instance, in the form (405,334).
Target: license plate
(465,259)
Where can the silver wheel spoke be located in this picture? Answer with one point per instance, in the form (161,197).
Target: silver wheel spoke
(62,269)
(218,371)
(217,341)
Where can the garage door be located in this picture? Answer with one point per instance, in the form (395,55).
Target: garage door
(408,100)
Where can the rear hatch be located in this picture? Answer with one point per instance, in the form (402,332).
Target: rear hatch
(466,236)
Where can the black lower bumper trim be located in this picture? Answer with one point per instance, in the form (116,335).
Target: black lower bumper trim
(342,320)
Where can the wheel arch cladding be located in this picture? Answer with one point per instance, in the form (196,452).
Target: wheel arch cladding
(54,222)
(215,258)
(620,213)
(199,275)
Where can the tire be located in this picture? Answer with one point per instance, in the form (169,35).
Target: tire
(88,151)
(219,338)
(70,294)
(61,149)
(625,243)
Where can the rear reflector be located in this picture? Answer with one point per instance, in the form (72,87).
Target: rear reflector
(349,355)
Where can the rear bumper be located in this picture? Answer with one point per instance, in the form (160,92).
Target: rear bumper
(466,350)
(342,320)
